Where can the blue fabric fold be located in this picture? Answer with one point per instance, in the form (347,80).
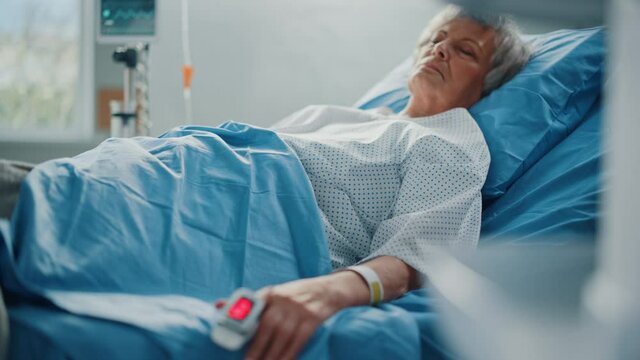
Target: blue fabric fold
(166,224)
(129,243)
(557,201)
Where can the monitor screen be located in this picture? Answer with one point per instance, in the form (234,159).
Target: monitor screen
(127,20)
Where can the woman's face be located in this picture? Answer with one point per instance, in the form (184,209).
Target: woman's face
(450,69)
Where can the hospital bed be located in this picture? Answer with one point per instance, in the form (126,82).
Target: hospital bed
(543,129)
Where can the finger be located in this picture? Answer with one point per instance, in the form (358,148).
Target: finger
(300,338)
(264,334)
(283,334)
(264,292)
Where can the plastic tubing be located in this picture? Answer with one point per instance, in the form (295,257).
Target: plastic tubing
(187,67)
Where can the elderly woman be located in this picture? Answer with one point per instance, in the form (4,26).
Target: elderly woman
(387,210)
(390,187)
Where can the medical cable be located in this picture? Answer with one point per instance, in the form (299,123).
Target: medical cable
(187,67)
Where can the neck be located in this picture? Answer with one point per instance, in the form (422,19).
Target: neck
(415,109)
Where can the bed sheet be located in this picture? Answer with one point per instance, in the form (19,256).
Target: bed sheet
(557,201)
(158,228)
(45,332)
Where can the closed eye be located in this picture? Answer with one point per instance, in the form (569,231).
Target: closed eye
(438,37)
(468,52)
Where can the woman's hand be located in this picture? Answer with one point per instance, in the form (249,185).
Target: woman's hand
(291,316)
(294,310)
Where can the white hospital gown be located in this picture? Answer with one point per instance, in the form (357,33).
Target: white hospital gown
(391,185)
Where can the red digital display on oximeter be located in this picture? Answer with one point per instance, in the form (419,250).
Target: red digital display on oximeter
(240,309)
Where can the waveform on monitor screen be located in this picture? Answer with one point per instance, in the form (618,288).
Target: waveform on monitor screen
(131,14)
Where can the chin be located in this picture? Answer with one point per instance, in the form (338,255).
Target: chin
(422,83)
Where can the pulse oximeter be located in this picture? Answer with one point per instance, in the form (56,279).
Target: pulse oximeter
(237,321)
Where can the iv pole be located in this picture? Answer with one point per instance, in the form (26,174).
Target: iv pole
(131,24)
(132,118)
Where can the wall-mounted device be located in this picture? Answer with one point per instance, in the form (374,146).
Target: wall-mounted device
(126,21)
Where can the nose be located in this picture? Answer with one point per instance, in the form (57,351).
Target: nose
(441,50)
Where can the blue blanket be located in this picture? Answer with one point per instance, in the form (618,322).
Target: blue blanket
(146,232)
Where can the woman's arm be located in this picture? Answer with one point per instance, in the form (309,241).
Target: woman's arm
(396,276)
(295,309)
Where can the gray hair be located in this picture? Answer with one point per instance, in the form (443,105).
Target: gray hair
(511,52)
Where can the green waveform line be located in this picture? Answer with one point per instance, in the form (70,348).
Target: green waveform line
(130,14)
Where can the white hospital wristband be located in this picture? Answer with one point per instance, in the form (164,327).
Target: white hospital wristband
(376,291)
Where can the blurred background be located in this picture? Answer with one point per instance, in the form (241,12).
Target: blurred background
(255,62)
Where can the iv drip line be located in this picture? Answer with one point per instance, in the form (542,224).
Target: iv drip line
(187,68)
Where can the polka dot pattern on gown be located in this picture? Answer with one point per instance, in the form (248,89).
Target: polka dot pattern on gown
(391,185)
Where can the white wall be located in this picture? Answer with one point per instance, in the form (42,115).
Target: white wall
(257,61)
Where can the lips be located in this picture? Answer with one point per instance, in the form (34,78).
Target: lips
(434,67)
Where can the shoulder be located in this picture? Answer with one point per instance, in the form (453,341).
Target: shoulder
(456,118)
(455,136)
(457,123)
